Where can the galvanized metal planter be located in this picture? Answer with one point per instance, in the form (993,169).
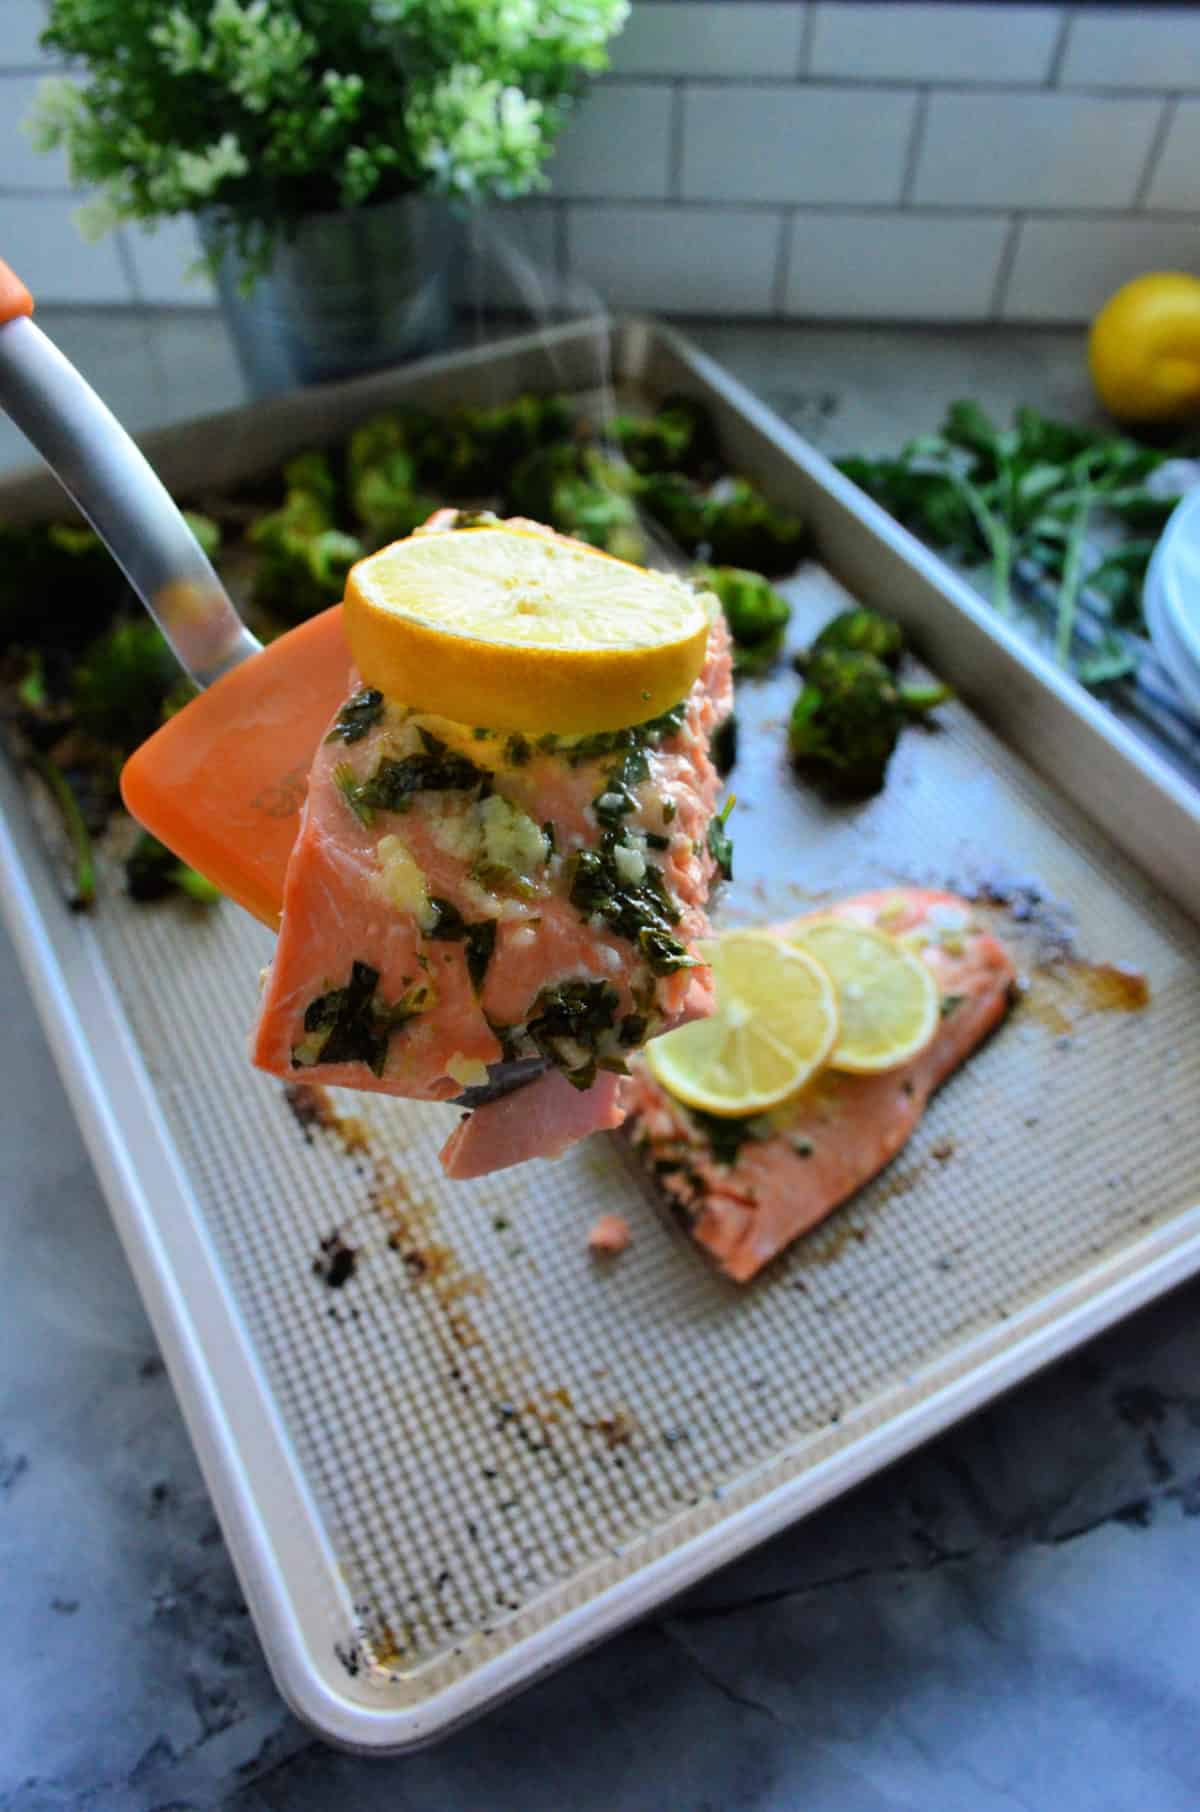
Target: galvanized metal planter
(348,293)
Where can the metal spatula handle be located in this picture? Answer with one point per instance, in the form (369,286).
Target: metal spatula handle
(126,503)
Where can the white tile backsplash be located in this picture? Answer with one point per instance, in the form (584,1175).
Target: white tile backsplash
(868,160)
(1133,47)
(1176,180)
(41,242)
(21,167)
(774,144)
(1034,150)
(1064,270)
(161,261)
(705,260)
(710,38)
(959,43)
(21,22)
(893,266)
(617,143)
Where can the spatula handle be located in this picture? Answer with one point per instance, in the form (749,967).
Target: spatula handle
(126,503)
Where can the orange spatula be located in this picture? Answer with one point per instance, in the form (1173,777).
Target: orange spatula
(221,784)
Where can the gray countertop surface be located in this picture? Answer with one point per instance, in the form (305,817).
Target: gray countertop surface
(1009,1619)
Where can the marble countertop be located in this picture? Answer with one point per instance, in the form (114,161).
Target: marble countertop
(1006,1620)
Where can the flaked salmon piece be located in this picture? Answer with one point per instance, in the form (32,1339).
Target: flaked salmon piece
(459,898)
(746,1189)
(609,1235)
(541,1120)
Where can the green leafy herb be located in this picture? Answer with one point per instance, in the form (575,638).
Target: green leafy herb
(1022,500)
(63,794)
(569,1024)
(950,1003)
(435,768)
(349,1025)
(357,717)
(642,912)
(720,843)
(481,942)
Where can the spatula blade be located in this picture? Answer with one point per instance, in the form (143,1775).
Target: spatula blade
(222,783)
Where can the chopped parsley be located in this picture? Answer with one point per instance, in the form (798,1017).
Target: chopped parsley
(433,769)
(950,1003)
(720,843)
(518,751)
(568,1025)
(349,1025)
(357,716)
(481,941)
(478,937)
(642,912)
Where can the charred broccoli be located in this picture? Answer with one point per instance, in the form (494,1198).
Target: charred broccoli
(59,585)
(848,718)
(680,437)
(122,683)
(152,872)
(756,614)
(732,521)
(472,452)
(576,490)
(304,559)
(382,461)
(863,631)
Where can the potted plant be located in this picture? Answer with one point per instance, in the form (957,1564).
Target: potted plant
(322,146)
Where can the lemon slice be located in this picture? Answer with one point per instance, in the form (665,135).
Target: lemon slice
(774,1026)
(888,1001)
(520,631)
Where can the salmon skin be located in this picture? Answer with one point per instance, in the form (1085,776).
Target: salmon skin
(745,1189)
(459,898)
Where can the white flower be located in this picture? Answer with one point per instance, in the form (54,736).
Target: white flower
(58,108)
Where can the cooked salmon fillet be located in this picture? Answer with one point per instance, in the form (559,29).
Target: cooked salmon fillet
(459,898)
(746,1188)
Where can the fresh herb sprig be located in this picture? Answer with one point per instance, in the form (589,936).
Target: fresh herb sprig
(1024,500)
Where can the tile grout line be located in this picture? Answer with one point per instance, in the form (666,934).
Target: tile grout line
(1058,54)
(839,84)
(928,210)
(783,263)
(808,31)
(675,142)
(1008,257)
(916,144)
(1158,142)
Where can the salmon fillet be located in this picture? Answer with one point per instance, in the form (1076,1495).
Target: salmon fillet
(459,898)
(745,1189)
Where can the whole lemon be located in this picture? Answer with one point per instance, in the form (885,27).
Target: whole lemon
(1144,349)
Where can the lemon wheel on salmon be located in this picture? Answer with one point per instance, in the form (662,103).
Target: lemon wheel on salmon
(888,1002)
(517,631)
(776,1021)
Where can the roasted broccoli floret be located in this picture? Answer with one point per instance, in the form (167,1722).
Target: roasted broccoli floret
(863,632)
(848,718)
(303,557)
(472,452)
(677,506)
(206,531)
(743,529)
(152,871)
(680,437)
(731,521)
(382,461)
(121,685)
(757,615)
(58,586)
(577,491)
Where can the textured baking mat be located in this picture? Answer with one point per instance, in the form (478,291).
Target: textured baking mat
(495,1426)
